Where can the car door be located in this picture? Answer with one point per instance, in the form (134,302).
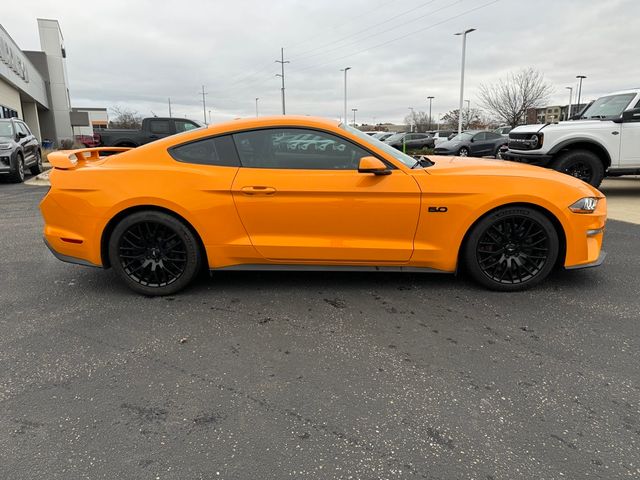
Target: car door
(494,141)
(314,206)
(26,141)
(478,145)
(630,139)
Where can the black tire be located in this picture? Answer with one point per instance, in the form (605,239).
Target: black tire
(463,152)
(36,169)
(581,164)
(17,176)
(154,253)
(497,153)
(512,248)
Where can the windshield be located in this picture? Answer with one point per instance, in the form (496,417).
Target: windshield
(368,139)
(462,137)
(6,130)
(609,107)
(395,136)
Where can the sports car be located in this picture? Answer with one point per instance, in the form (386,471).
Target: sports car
(230,197)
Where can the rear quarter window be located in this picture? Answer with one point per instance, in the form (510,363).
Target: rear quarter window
(219,151)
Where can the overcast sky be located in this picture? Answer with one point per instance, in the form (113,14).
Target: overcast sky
(136,54)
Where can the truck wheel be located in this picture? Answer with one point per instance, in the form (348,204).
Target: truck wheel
(581,164)
(154,253)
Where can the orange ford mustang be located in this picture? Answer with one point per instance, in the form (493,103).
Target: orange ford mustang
(307,193)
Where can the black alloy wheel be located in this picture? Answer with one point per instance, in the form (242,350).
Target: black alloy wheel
(155,253)
(17,176)
(581,164)
(512,249)
(463,152)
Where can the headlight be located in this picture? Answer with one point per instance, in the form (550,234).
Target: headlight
(5,146)
(536,140)
(584,205)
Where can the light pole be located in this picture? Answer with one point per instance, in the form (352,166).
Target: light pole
(204,105)
(412,119)
(430,100)
(354,110)
(257,98)
(464,47)
(169,107)
(570,99)
(345,70)
(580,78)
(468,112)
(281,75)
(209,116)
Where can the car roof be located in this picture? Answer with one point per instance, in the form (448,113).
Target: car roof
(274,121)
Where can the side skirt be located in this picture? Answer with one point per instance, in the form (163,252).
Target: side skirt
(326,268)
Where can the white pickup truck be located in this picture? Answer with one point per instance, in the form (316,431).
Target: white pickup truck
(603,141)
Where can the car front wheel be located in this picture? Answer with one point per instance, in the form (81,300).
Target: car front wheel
(512,248)
(17,176)
(154,253)
(581,164)
(463,152)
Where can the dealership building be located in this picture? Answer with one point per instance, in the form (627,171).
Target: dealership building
(34,85)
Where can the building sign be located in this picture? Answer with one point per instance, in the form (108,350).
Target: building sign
(13,58)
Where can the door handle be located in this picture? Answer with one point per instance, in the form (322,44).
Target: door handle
(258,190)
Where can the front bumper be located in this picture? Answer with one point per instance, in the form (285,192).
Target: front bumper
(597,263)
(539,159)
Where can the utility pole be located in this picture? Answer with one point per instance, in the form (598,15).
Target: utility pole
(468,113)
(580,78)
(281,75)
(354,110)
(570,100)
(430,100)
(209,116)
(464,47)
(257,98)
(169,107)
(345,70)
(204,105)
(413,118)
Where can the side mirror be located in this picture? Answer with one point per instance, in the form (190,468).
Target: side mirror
(372,165)
(632,115)
(21,135)
(472,140)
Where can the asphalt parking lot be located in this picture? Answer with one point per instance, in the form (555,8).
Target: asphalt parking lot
(272,375)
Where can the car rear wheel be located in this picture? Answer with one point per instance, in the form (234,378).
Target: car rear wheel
(463,152)
(581,164)
(17,176)
(36,169)
(154,253)
(512,248)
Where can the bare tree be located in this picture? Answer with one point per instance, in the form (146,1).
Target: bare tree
(511,97)
(125,118)
(471,119)
(420,120)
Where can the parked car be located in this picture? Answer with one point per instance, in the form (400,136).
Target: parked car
(19,149)
(472,143)
(226,197)
(382,136)
(153,128)
(604,140)
(440,136)
(504,130)
(88,141)
(410,141)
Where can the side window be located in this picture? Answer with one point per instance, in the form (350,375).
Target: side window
(297,149)
(184,126)
(479,137)
(159,126)
(23,128)
(218,151)
(492,135)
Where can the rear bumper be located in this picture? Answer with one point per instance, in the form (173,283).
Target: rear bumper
(539,159)
(68,258)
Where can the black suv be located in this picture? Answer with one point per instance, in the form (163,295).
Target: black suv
(18,149)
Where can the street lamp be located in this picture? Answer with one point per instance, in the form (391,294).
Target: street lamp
(430,99)
(413,116)
(354,110)
(580,78)
(464,47)
(345,70)
(257,98)
(570,99)
(468,112)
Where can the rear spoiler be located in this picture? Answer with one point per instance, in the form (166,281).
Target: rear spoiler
(70,159)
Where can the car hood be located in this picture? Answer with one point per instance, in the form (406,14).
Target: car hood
(565,126)
(478,167)
(6,139)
